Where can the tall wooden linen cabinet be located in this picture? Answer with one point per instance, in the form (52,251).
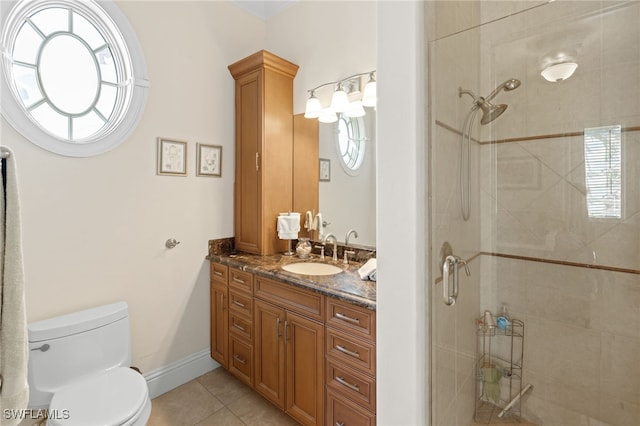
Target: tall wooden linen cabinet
(264,149)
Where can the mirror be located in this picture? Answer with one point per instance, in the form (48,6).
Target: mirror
(347,197)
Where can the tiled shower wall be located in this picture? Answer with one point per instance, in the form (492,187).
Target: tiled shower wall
(581,312)
(573,280)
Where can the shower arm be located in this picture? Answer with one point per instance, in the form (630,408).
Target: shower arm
(462,91)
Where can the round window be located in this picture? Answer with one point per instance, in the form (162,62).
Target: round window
(351,143)
(74,76)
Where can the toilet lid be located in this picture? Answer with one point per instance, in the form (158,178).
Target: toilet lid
(107,399)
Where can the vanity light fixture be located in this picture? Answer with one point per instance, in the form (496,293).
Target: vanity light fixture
(355,109)
(327,115)
(340,99)
(314,107)
(370,96)
(340,102)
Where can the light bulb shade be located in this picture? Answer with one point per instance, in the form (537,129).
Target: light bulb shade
(340,100)
(558,72)
(313,107)
(370,95)
(355,110)
(327,115)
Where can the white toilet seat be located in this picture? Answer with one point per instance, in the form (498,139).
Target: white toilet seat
(116,397)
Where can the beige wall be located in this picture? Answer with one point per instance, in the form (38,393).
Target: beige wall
(94,228)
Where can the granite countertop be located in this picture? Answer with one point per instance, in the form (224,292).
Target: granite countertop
(345,285)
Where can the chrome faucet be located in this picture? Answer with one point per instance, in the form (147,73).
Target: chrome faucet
(351,231)
(335,246)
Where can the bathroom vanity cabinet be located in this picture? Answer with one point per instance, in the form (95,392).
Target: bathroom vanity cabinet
(309,353)
(290,349)
(264,149)
(350,364)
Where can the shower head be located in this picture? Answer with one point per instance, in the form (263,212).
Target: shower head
(489,111)
(508,85)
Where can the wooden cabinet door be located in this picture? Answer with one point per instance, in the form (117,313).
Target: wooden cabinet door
(219,324)
(248,204)
(269,352)
(304,344)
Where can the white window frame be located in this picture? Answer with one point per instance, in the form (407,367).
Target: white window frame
(12,14)
(603,172)
(356,139)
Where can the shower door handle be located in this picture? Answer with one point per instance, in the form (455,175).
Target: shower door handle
(449,298)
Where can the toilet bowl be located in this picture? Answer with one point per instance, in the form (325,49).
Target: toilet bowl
(116,397)
(79,370)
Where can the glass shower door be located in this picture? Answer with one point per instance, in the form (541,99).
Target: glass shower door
(551,228)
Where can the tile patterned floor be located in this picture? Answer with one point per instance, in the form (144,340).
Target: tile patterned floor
(219,399)
(216,398)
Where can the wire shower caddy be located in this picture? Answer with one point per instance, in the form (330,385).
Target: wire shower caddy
(498,371)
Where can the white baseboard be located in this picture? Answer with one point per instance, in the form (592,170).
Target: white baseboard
(177,373)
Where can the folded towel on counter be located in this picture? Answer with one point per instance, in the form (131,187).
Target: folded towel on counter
(288,226)
(368,269)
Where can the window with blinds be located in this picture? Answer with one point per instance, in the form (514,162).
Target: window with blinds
(603,171)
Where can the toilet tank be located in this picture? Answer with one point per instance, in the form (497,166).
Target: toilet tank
(65,348)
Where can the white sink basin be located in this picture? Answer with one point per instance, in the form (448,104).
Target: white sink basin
(310,268)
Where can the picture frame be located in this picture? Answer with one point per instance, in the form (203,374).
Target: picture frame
(325,170)
(209,160)
(172,157)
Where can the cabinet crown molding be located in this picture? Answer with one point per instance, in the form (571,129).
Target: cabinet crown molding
(263,59)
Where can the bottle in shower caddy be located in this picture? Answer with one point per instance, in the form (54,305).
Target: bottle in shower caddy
(504,320)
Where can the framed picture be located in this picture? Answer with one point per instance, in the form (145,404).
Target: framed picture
(325,170)
(209,160)
(172,157)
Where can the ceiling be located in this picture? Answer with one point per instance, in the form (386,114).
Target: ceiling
(264,9)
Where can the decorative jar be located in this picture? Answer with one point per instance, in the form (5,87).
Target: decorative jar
(303,248)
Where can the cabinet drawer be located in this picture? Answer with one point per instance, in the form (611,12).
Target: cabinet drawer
(341,411)
(354,352)
(352,319)
(219,273)
(241,360)
(241,327)
(241,303)
(293,298)
(356,386)
(241,280)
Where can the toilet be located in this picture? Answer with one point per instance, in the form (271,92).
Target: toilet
(79,369)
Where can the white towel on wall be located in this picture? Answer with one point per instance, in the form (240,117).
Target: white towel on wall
(14,349)
(288,226)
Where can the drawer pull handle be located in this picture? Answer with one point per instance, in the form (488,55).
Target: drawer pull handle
(347,384)
(277,329)
(344,317)
(240,360)
(238,280)
(347,351)
(242,305)
(238,326)
(218,273)
(339,423)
